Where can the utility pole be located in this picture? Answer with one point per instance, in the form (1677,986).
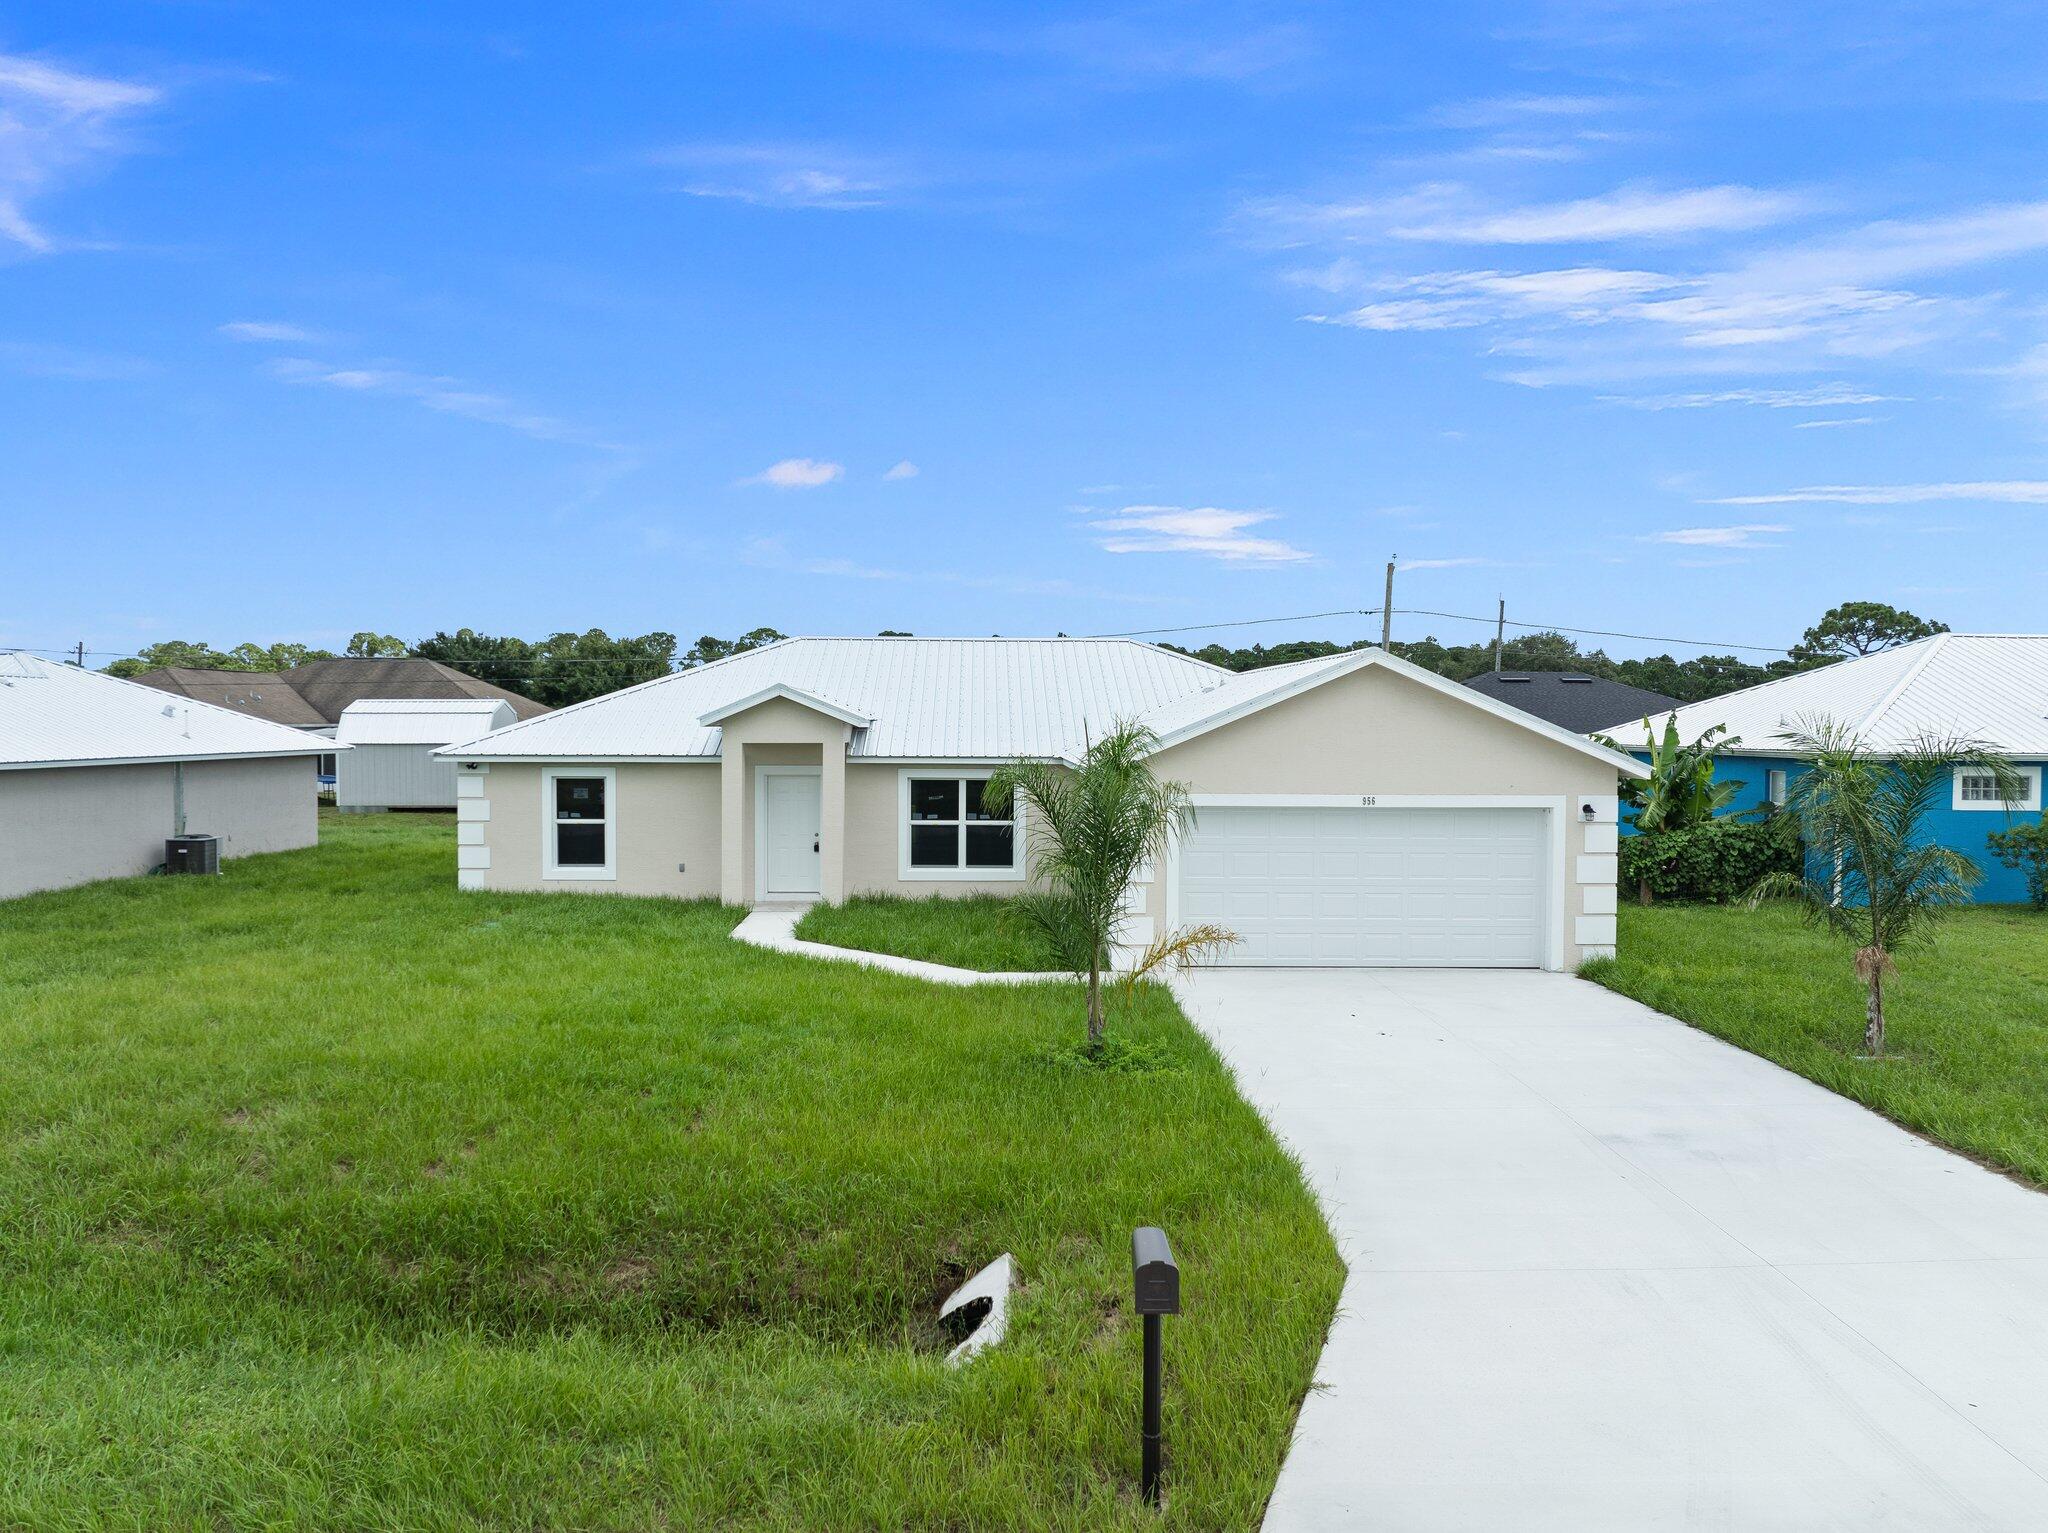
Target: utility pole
(1500,633)
(1387,610)
(81,654)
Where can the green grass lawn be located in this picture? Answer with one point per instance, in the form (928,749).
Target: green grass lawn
(972,933)
(1966,1018)
(333,1197)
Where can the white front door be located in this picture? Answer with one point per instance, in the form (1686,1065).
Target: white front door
(789,839)
(1443,888)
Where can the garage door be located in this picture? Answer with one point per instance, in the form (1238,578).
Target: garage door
(1429,887)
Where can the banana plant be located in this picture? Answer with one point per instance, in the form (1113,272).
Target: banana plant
(1680,791)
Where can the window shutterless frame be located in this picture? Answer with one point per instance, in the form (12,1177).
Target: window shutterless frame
(1978,790)
(574,803)
(941,829)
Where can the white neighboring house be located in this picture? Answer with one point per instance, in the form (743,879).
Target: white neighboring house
(96,772)
(391,764)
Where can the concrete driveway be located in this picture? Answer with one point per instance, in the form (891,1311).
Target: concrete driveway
(1609,1273)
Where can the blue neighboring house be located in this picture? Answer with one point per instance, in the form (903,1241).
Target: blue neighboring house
(1992,687)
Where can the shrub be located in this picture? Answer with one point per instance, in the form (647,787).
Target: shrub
(2026,847)
(1714,863)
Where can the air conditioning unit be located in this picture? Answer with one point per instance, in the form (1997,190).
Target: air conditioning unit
(192,854)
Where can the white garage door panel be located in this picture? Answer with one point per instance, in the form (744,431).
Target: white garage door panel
(1425,887)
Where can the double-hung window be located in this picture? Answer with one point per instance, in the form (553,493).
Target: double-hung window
(579,826)
(1774,786)
(948,833)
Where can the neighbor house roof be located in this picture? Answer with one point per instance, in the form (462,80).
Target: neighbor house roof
(421,720)
(260,694)
(946,699)
(1571,699)
(59,716)
(323,689)
(1991,687)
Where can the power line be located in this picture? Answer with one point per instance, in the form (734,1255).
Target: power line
(1463,617)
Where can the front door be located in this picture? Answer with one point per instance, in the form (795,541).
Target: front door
(790,837)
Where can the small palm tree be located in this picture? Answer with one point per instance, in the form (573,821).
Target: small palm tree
(1092,828)
(1873,874)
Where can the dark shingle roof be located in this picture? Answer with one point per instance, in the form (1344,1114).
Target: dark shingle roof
(1571,699)
(260,694)
(311,696)
(331,685)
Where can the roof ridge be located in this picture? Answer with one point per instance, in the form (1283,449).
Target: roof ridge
(1935,644)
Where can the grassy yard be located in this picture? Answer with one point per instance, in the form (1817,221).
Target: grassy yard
(972,933)
(335,1198)
(1968,1018)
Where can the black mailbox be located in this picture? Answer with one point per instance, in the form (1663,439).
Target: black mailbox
(1154,1276)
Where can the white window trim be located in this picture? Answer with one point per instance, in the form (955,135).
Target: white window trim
(549,868)
(2023,805)
(1777,785)
(1019,852)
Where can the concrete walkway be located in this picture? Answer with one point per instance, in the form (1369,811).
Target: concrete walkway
(777,929)
(1608,1273)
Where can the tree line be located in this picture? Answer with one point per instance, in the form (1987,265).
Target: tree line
(1853,628)
(571,667)
(560,669)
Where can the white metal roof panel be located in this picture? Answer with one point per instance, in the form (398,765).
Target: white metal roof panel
(58,715)
(422,720)
(1987,686)
(957,699)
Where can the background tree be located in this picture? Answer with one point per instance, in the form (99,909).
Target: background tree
(708,649)
(375,646)
(1861,628)
(1091,829)
(201,656)
(502,661)
(1873,875)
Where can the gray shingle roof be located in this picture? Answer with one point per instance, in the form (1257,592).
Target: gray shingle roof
(1573,700)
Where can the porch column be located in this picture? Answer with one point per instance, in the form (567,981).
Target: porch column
(832,818)
(732,825)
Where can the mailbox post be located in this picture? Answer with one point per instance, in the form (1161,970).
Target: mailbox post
(1155,1285)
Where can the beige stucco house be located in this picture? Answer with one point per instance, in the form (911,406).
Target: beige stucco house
(1349,810)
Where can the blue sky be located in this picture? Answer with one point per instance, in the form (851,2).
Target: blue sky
(1684,319)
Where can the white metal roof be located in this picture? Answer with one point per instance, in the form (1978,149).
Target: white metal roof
(1991,687)
(944,699)
(948,699)
(422,720)
(58,715)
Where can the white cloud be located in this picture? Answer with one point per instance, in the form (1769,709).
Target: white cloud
(1205,530)
(1823,396)
(1721,537)
(54,124)
(1843,420)
(268,330)
(2014,492)
(446,395)
(784,175)
(797,474)
(904,470)
(1504,111)
(1450,213)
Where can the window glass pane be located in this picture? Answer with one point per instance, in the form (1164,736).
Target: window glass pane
(990,846)
(1981,789)
(934,846)
(579,846)
(579,798)
(934,798)
(974,809)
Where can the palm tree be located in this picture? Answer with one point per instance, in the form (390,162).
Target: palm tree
(1092,828)
(1873,874)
